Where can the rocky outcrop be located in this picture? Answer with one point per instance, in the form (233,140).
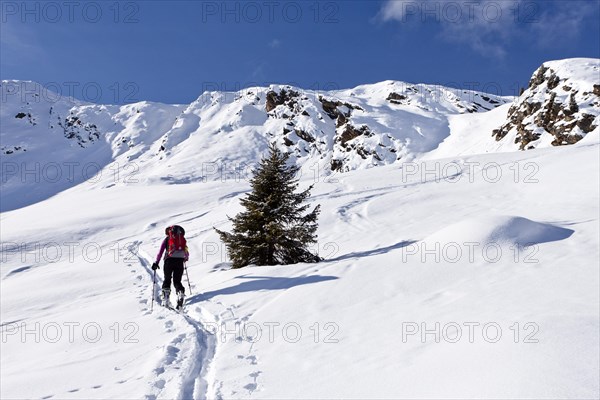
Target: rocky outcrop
(350,132)
(304,135)
(27,117)
(338,110)
(396,98)
(558,103)
(345,128)
(284,97)
(362,127)
(83,132)
(426,96)
(12,149)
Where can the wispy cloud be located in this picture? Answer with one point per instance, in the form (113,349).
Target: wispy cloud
(565,24)
(275,43)
(18,44)
(258,72)
(395,10)
(488,26)
(487,31)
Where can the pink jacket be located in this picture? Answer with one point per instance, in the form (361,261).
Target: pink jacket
(163,247)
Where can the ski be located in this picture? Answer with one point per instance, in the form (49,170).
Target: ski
(177,310)
(166,303)
(169,306)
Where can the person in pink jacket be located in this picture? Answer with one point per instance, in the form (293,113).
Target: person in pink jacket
(176,253)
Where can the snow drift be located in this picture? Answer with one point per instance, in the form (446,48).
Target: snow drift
(499,229)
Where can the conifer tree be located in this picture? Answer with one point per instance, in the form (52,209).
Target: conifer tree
(274,228)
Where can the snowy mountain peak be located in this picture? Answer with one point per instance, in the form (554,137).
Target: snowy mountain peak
(561,106)
(345,129)
(446,278)
(223,133)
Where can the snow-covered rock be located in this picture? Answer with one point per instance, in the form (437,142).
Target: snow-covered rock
(223,134)
(387,314)
(560,107)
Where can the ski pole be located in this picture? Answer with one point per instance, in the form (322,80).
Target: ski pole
(153,285)
(188,277)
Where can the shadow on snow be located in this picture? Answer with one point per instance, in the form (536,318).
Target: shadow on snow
(373,252)
(256,283)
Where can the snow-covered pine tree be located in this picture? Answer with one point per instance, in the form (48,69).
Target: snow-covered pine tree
(274,228)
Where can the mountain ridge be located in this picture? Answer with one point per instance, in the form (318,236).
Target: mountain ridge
(221,135)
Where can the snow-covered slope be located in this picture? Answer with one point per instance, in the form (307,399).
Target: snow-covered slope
(460,267)
(50,143)
(503,277)
(222,134)
(561,106)
(472,134)
(219,134)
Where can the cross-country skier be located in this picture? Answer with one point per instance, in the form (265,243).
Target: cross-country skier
(176,252)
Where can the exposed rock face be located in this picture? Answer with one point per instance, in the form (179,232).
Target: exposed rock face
(345,138)
(333,108)
(396,98)
(304,135)
(83,132)
(461,100)
(560,106)
(70,123)
(337,165)
(12,149)
(322,125)
(351,132)
(363,127)
(26,116)
(287,97)
(344,129)
(350,139)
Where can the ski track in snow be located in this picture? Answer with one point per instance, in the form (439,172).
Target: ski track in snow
(368,216)
(227,313)
(183,369)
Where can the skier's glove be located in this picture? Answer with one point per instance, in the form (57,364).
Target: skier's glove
(155,266)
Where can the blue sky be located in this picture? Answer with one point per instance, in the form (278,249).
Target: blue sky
(172,51)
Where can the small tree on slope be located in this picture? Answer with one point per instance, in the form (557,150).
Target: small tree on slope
(274,228)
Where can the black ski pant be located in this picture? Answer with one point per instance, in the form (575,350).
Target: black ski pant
(173,268)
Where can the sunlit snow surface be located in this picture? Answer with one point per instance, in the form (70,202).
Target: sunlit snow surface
(456,275)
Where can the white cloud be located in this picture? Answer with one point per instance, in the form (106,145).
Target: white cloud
(275,43)
(484,26)
(395,9)
(485,29)
(258,72)
(488,26)
(563,25)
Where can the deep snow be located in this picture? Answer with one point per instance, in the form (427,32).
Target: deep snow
(361,312)
(465,269)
